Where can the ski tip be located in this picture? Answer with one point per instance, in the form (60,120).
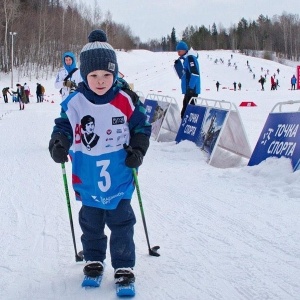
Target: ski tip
(91,281)
(125,291)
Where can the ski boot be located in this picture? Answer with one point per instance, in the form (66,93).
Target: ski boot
(124,276)
(93,269)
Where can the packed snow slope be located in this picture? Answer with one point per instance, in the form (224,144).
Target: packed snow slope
(225,234)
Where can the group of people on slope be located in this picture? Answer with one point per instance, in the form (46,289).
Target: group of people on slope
(275,83)
(22,94)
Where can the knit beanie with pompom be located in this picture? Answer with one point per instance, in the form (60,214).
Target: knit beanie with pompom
(98,54)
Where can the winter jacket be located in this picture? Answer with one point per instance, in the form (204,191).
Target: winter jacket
(191,73)
(5,91)
(272,80)
(39,89)
(21,93)
(63,73)
(293,80)
(100,177)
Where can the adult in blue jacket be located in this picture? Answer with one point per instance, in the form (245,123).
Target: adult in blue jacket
(189,74)
(293,82)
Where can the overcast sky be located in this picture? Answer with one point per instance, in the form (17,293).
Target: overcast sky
(155,19)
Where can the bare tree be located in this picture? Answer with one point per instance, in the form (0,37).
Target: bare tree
(9,10)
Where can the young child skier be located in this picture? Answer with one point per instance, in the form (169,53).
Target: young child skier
(104,129)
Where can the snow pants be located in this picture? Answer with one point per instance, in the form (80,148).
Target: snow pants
(120,221)
(186,100)
(5,98)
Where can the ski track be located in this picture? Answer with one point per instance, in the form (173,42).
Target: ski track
(249,257)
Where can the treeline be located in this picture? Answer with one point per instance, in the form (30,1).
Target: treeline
(46,28)
(279,35)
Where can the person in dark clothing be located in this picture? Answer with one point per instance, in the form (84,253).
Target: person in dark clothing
(262,81)
(39,93)
(234,86)
(4,93)
(21,96)
(217,85)
(190,77)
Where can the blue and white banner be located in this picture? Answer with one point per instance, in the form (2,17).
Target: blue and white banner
(279,137)
(201,125)
(191,124)
(215,127)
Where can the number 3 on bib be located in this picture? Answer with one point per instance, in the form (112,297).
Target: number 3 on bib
(105,184)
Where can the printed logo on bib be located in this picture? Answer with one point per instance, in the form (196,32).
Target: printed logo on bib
(118,120)
(88,137)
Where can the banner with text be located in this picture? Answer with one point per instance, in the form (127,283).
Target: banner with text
(214,129)
(190,128)
(279,137)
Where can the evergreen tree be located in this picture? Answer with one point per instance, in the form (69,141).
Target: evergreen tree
(173,40)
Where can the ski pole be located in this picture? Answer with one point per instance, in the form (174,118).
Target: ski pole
(79,256)
(153,250)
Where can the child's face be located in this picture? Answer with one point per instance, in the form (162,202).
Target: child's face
(100,81)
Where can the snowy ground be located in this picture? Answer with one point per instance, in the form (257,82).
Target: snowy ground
(224,233)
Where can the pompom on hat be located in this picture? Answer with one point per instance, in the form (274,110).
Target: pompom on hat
(98,54)
(182,46)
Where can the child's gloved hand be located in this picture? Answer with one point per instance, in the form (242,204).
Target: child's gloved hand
(134,157)
(58,147)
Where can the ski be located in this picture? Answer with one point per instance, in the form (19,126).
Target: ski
(125,290)
(91,282)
